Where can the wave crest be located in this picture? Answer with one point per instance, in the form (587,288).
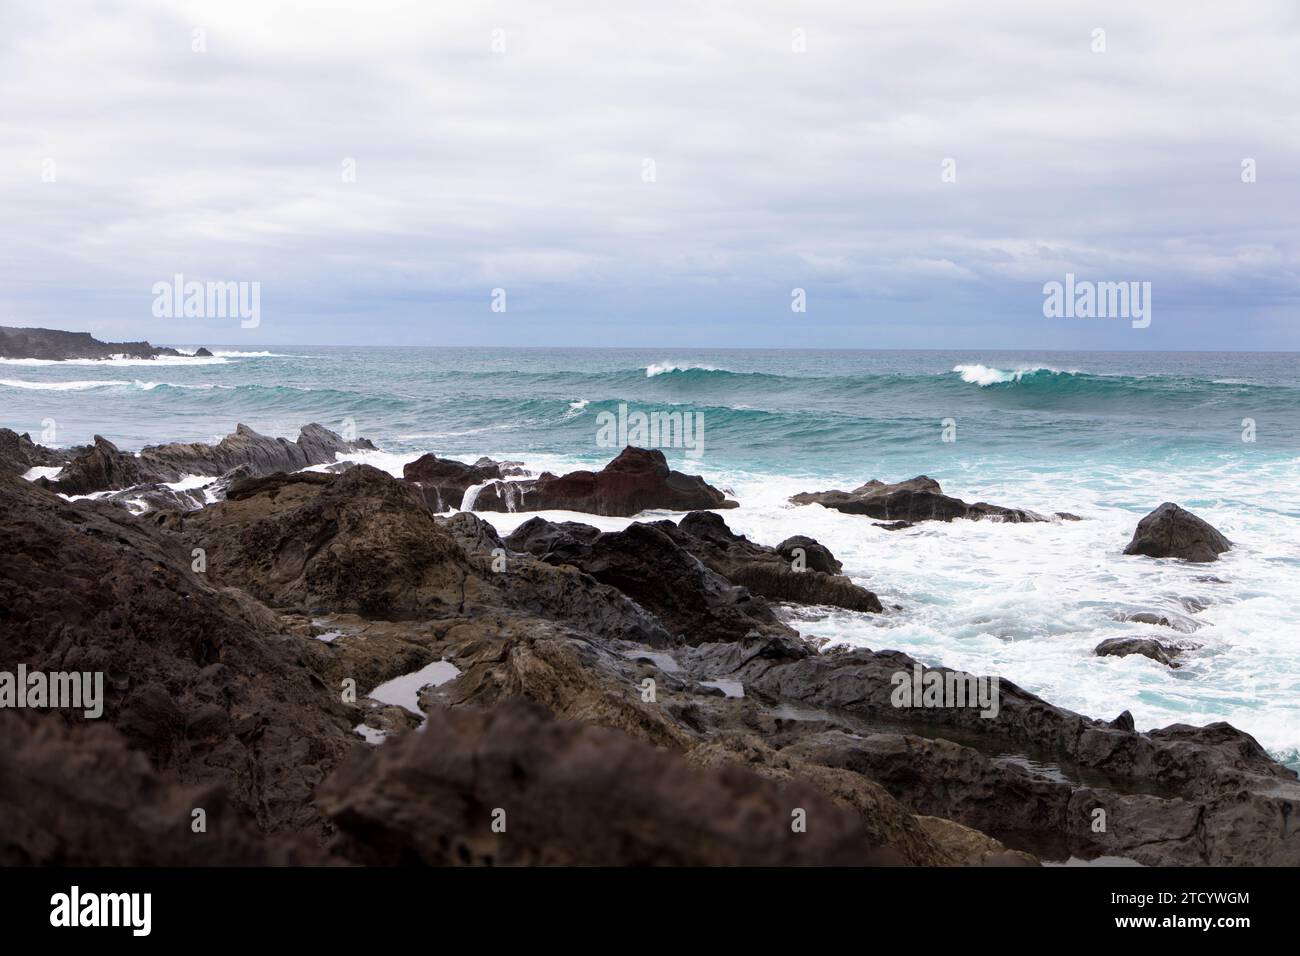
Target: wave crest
(983,375)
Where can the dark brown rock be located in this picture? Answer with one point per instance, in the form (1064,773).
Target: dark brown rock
(78,796)
(774,573)
(1171,532)
(19,454)
(643,561)
(444,481)
(1147,647)
(917,499)
(103,467)
(572,794)
(365,543)
(198,678)
(637,480)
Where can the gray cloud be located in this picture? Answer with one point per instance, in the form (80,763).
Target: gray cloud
(775,169)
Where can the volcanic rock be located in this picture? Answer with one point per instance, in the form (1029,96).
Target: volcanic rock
(57,345)
(1171,532)
(637,480)
(197,678)
(444,481)
(1147,647)
(432,798)
(799,570)
(103,467)
(365,543)
(76,795)
(917,499)
(692,601)
(19,454)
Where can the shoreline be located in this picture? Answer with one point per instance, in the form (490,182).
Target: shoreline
(688,605)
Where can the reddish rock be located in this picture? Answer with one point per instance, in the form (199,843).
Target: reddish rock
(639,479)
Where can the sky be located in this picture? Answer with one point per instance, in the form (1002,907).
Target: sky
(653,174)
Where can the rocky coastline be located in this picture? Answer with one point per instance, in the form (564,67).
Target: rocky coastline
(56,345)
(629,697)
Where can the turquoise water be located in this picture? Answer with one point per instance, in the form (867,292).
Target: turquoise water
(1105,435)
(820,412)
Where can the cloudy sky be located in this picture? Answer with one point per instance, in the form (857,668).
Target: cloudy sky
(794,145)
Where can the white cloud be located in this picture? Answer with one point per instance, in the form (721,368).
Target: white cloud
(774,168)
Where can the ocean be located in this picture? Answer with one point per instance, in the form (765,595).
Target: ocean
(1107,436)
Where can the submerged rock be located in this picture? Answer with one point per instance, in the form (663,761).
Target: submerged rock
(917,499)
(1171,532)
(1146,646)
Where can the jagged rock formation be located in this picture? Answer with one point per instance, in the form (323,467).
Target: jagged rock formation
(102,467)
(637,480)
(623,697)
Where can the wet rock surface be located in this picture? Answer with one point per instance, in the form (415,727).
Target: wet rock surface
(637,480)
(917,499)
(443,481)
(19,454)
(1172,532)
(625,697)
(103,467)
(1145,646)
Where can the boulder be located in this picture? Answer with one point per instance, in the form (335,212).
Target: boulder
(1171,532)
(800,570)
(444,481)
(1146,646)
(917,499)
(637,480)
(650,566)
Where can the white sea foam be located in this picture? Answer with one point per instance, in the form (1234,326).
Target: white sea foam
(662,368)
(76,386)
(43,471)
(383,460)
(1030,602)
(121,361)
(983,375)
